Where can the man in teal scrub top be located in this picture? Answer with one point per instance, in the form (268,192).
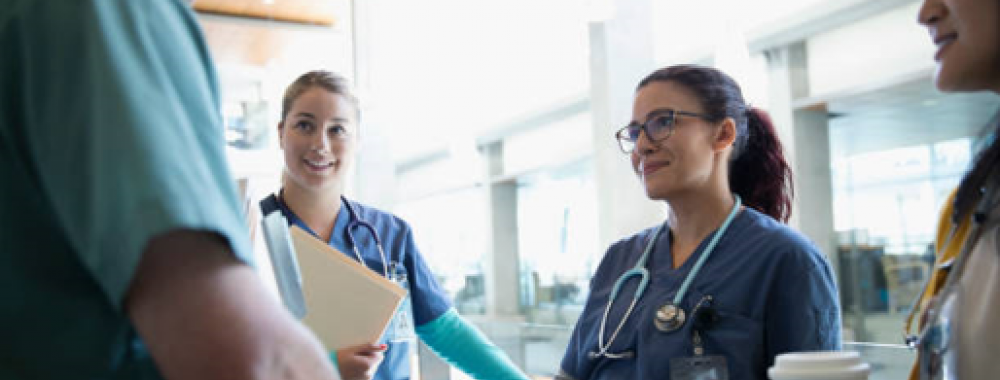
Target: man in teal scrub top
(123,254)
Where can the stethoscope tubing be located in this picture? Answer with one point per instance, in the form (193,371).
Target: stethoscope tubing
(640,270)
(354,222)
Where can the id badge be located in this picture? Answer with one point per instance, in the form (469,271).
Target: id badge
(401,329)
(699,368)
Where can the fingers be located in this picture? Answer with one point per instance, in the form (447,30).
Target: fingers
(365,349)
(360,361)
(378,348)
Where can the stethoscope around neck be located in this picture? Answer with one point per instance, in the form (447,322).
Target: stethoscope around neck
(669,317)
(354,222)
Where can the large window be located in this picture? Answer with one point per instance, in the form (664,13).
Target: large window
(558,247)
(891,197)
(451,230)
(886,206)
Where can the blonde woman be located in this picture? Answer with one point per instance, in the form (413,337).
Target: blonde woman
(319,137)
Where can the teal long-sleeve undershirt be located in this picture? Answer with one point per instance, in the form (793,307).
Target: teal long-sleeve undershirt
(460,344)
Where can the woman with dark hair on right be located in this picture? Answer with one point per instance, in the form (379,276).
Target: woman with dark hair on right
(960,307)
(723,286)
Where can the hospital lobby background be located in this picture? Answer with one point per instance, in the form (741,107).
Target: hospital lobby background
(488,127)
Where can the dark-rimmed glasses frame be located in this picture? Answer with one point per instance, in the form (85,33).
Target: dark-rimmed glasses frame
(659,127)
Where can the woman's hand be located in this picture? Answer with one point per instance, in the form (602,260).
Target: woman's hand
(360,362)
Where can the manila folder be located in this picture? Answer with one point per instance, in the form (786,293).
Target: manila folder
(346,303)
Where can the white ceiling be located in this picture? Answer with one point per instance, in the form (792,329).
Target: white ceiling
(446,72)
(713,21)
(438,81)
(908,114)
(443,72)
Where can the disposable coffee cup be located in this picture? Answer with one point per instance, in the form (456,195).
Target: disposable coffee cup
(819,365)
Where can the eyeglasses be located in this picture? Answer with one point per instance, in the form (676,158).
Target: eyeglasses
(658,128)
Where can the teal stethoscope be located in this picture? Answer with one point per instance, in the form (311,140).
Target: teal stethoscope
(355,222)
(669,317)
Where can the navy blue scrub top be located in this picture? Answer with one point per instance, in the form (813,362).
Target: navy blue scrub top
(773,290)
(427,298)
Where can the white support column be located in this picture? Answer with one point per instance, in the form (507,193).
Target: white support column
(375,173)
(502,263)
(787,81)
(374,179)
(805,135)
(814,182)
(621,49)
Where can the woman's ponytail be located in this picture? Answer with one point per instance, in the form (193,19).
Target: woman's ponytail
(760,174)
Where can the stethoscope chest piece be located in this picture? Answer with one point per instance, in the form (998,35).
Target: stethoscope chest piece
(669,318)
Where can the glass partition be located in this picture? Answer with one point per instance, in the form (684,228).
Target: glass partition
(557,236)
(451,231)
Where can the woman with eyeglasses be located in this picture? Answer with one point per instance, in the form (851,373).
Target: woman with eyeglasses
(318,134)
(959,309)
(723,285)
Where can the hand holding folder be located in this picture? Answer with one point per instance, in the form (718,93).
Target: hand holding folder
(345,303)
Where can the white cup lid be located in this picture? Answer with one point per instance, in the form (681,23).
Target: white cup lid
(819,365)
